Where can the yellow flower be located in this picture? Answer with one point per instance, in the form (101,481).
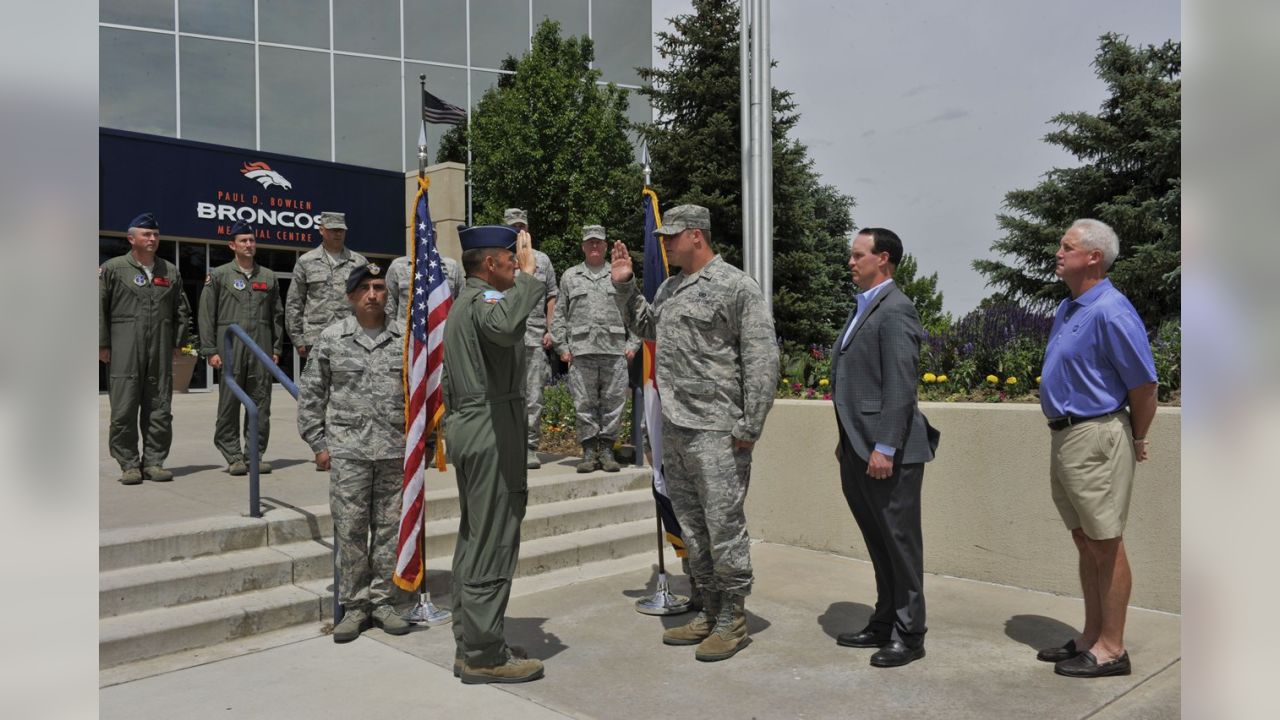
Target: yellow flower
(1037,379)
(942,378)
(993,379)
(786,381)
(930,378)
(1011,381)
(824,382)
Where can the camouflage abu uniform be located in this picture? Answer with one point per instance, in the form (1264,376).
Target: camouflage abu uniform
(351,403)
(717,367)
(399,283)
(537,369)
(587,324)
(142,318)
(317,296)
(251,301)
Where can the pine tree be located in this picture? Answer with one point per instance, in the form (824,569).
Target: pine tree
(550,140)
(695,148)
(924,294)
(1130,179)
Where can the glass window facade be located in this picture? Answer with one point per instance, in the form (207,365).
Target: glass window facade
(367,26)
(223,18)
(294,92)
(356,102)
(367,112)
(218,104)
(294,22)
(136,82)
(436,30)
(140,13)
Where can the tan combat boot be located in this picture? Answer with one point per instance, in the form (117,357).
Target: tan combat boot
(697,629)
(514,670)
(730,633)
(588,463)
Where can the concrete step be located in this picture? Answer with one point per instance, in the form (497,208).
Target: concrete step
(131,547)
(584,548)
(160,585)
(148,634)
(443,503)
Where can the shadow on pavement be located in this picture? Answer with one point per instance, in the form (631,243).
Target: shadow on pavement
(1038,631)
(844,617)
(528,633)
(192,469)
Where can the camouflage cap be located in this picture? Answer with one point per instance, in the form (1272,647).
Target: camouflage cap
(333,220)
(684,217)
(592,231)
(511,216)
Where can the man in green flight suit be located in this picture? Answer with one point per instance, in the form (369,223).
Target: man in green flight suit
(245,293)
(142,320)
(486,426)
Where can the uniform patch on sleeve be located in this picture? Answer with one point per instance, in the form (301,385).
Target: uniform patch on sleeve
(492,296)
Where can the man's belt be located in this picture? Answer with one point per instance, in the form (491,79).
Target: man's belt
(1066,421)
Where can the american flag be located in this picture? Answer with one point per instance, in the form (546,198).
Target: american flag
(424,351)
(435,110)
(655,272)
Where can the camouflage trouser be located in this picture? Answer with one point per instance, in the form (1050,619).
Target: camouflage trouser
(598,384)
(707,480)
(364,497)
(537,371)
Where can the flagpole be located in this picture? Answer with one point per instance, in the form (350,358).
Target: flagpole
(425,612)
(662,601)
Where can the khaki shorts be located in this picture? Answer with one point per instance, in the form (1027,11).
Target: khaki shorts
(1091,468)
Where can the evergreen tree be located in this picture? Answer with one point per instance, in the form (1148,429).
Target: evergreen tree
(924,294)
(1130,179)
(550,140)
(695,148)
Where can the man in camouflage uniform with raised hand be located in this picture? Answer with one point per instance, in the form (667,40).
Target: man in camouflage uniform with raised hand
(245,293)
(143,316)
(589,336)
(537,337)
(717,368)
(317,293)
(351,413)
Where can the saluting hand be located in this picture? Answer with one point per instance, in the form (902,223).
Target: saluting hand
(524,253)
(620,263)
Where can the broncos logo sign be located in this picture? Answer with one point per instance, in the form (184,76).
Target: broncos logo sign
(263,174)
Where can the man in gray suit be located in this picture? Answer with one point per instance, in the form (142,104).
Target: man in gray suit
(884,444)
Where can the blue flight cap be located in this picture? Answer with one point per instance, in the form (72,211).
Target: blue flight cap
(360,272)
(241,227)
(146,221)
(487,236)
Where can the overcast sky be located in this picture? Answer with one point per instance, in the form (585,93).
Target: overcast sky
(929,112)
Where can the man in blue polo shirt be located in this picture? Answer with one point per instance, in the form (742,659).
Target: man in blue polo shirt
(1098,390)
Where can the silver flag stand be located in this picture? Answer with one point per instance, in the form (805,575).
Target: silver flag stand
(426,613)
(662,602)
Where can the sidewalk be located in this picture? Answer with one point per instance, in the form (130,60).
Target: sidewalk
(603,659)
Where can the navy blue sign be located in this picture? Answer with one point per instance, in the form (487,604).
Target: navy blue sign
(198,190)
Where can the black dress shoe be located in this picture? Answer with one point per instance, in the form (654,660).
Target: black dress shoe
(1058,654)
(1085,665)
(864,638)
(896,653)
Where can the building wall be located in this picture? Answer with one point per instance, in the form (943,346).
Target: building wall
(332,79)
(987,512)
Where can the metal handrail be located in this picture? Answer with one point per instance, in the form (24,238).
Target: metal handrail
(234,331)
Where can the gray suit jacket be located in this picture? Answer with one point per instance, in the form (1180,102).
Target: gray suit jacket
(873,381)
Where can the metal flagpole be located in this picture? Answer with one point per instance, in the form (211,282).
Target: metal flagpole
(425,612)
(662,601)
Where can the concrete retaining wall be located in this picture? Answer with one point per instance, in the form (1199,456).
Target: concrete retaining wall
(987,510)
